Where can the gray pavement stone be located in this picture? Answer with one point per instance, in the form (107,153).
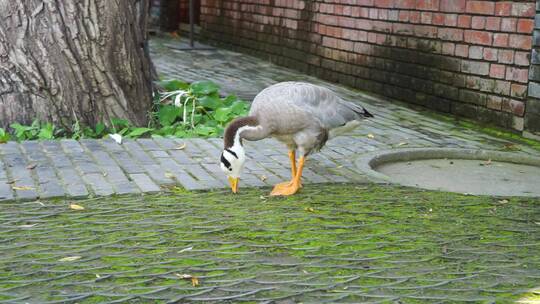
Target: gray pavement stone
(145,183)
(98,184)
(158,174)
(148,144)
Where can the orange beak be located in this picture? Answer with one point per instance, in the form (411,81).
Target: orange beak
(234,184)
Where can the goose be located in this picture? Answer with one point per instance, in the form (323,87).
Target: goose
(301,115)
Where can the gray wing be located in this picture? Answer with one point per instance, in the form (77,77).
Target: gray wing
(318,102)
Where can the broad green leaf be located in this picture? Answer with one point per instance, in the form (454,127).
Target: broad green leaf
(204,130)
(119,124)
(204,87)
(174,85)
(168,114)
(100,128)
(20,131)
(209,102)
(4,136)
(239,108)
(89,133)
(229,100)
(46,131)
(222,114)
(139,132)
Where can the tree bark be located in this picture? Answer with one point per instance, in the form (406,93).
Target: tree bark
(74,60)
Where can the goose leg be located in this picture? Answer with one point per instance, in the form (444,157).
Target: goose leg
(292,157)
(294,184)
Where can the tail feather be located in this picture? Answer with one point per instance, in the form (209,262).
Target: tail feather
(361,111)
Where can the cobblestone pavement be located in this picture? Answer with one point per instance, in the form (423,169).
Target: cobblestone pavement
(43,169)
(332,244)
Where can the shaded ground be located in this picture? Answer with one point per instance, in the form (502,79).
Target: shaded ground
(332,243)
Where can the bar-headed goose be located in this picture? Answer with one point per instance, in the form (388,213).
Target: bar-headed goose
(301,115)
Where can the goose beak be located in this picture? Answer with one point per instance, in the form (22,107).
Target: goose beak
(234,184)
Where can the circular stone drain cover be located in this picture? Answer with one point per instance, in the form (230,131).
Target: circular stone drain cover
(457,170)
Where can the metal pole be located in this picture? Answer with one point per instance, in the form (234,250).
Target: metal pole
(191,25)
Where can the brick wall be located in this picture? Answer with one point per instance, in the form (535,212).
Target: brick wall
(532,115)
(470,58)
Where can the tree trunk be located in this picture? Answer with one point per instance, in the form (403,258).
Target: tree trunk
(74,60)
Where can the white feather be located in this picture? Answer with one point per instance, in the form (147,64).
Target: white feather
(117,138)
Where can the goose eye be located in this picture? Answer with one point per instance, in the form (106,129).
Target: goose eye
(230,169)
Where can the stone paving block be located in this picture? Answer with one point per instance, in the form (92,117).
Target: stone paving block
(145,183)
(99,185)
(71,146)
(51,189)
(103,158)
(128,164)
(181,157)
(156,154)
(92,145)
(138,153)
(148,144)
(110,145)
(6,193)
(126,188)
(45,173)
(167,143)
(87,166)
(158,174)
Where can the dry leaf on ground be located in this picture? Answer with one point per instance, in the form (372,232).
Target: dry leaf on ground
(22,188)
(371,136)
(32,166)
(309,209)
(169,175)
(193,279)
(180,147)
(27,226)
(402,144)
(76,207)
(70,258)
(263,178)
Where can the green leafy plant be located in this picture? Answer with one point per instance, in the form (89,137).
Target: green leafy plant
(180,110)
(4,136)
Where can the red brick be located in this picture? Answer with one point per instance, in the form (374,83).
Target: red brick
(464,21)
(425,31)
(478,37)
(462,50)
(427,5)
(503,8)
(493,23)
(517,74)
(523,42)
(448,48)
(516,107)
(494,102)
(384,3)
(372,37)
(360,12)
(403,28)
(508,24)
(403,16)
(490,54)
(478,22)
(438,19)
(522,58)
(450,34)
(373,13)
(518,90)
(497,71)
(425,17)
(454,6)
(414,17)
(383,14)
(506,56)
(365,2)
(500,40)
(475,52)
(407,4)
(451,20)
(525,26)
(480,7)
(523,9)
(345,45)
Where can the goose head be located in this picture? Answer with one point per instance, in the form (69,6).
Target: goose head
(233,156)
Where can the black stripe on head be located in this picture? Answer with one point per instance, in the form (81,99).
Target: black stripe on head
(225,162)
(232,152)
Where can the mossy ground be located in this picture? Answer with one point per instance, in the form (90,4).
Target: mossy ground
(331,243)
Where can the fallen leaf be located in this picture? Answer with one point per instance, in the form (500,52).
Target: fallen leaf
(27,226)
(70,258)
(504,201)
(181,147)
(117,138)
(76,207)
(105,174)
(11,182)
(263,197)
(32,166)
(486,163)
(340,166)
(263,177)
(402,144)
(185,249)
(371,136)
(309,209)
(98,276)
(22,188)
(537,223)
(193,279)
(169,175)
